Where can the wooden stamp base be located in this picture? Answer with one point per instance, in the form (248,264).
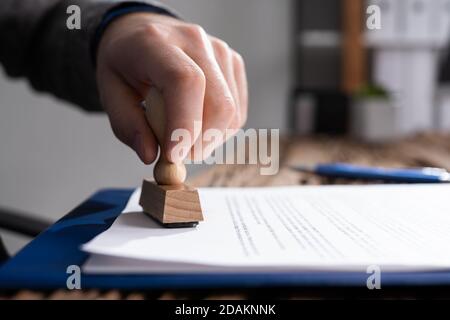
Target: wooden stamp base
(171,205)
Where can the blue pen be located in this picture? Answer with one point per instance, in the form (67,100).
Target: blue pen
(343,170)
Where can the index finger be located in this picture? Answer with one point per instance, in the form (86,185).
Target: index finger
(182,85)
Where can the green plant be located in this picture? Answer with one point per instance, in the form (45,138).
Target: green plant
(371,91)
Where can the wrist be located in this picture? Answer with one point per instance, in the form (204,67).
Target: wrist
(118,12)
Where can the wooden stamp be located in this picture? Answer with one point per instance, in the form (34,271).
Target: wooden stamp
(167,199)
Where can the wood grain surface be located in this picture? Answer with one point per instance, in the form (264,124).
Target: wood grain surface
(430,150)
(171,203)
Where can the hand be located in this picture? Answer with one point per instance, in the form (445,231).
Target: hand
(200,77)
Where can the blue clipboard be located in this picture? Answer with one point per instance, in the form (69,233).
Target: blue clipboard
(43,263)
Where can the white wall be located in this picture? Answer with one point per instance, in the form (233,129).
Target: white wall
(53,156)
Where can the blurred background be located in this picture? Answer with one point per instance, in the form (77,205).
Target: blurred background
(314,67)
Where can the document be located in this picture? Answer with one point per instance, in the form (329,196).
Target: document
(285,229)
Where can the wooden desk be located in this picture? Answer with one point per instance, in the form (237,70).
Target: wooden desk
(430,150)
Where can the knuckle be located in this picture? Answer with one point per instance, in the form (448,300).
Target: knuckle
(228,108)
(188,73)
(153,30)
(195,32)
(221,47)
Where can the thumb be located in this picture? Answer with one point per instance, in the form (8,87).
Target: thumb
(127,118)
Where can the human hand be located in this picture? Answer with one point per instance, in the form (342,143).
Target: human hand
(200,77)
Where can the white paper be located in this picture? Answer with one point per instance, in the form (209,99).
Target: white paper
(396,227)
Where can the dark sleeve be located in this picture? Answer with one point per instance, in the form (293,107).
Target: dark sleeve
(35,43)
